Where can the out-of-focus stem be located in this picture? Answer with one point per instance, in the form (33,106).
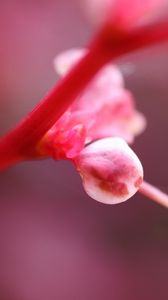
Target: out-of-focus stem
(109,44)
(117,42)
(154,194)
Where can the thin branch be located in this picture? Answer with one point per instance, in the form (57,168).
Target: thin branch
(154,194)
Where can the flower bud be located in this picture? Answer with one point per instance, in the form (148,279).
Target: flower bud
(110,170)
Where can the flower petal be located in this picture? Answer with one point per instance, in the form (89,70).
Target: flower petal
(64,61)
(117,117)
(105,108)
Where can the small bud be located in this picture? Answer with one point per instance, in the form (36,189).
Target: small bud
(110,170)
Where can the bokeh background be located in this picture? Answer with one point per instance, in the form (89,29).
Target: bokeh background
(56,242)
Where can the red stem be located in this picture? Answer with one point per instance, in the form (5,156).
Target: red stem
(121,42)
(110,43)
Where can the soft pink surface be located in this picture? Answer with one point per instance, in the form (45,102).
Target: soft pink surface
(57,243)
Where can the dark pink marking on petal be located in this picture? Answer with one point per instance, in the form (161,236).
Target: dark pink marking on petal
(138,182)
(111,184)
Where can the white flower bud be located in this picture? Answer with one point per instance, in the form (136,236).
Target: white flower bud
(110,170)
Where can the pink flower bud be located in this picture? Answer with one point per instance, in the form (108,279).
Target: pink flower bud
(110,170)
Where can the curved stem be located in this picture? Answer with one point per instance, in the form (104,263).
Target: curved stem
(137,38)
(154,194)
(109,44)
(21,141)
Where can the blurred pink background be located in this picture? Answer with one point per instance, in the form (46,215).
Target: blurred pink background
(56,242)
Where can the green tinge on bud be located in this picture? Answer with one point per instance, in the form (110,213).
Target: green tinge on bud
(110,170)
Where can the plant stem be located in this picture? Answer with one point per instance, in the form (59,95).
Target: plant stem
(23,139)
(117,42)
(110,43)
(154,194)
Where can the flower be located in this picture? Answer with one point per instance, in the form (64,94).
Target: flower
(104,109)
(110,170)
(90,104)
